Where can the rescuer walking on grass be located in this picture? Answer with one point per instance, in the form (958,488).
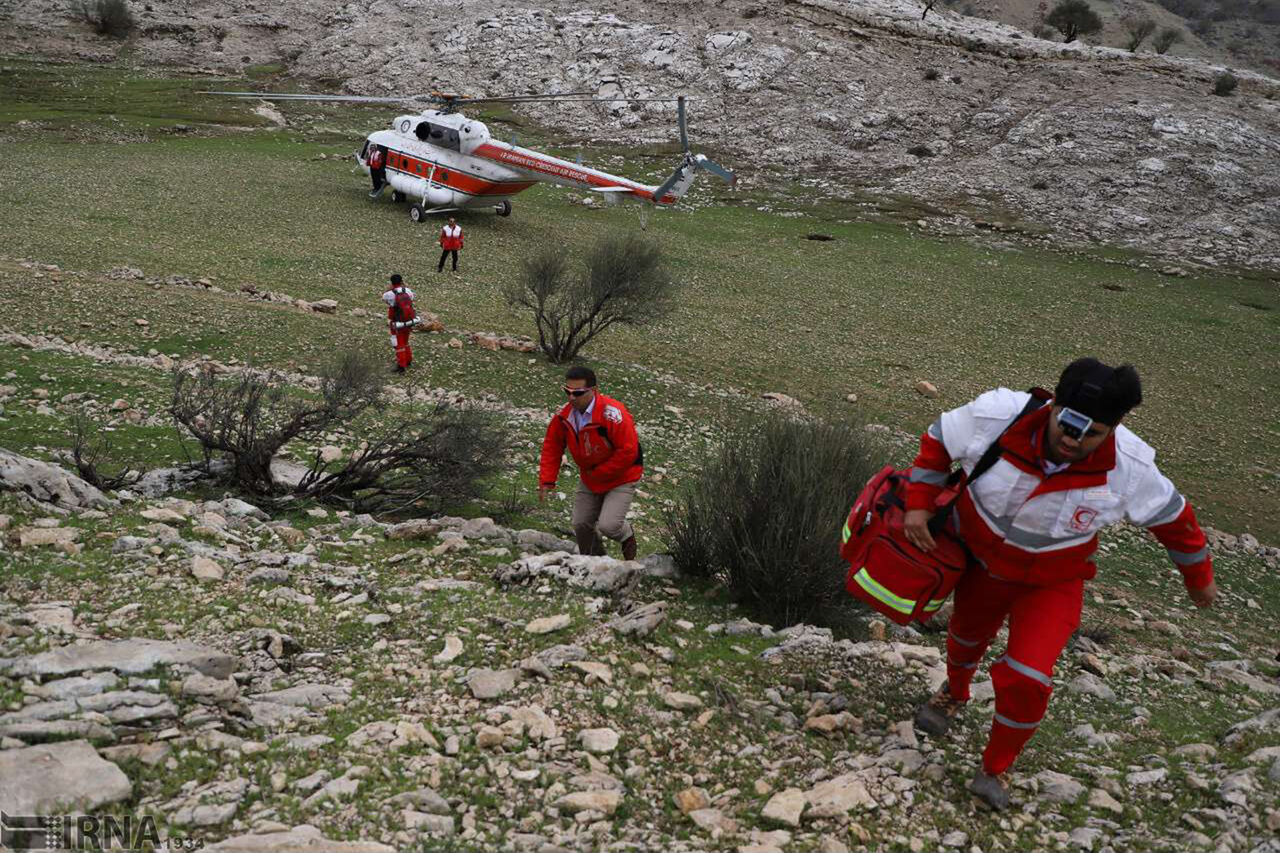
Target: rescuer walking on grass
(602,439)
(1065,471)
(401,318)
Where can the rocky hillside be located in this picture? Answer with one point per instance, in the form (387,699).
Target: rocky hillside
(972,122)
(267,678)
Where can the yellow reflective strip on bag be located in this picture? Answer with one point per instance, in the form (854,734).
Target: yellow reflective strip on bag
(934,604)
(873,588)
(846,533)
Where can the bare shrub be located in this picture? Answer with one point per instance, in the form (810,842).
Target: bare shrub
(427,461)
(1225,83)
(625,283)
(251,418)
(764,513)
(1166,39)
(93,454)
(108,17)
(1139,29)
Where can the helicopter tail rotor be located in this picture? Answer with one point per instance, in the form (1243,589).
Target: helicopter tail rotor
(682,178)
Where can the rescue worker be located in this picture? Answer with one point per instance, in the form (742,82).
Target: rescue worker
(401,319)
(1065,471)
(450,243)
(602,439)
(377,169)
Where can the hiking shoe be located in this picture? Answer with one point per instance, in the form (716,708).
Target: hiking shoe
(629,548)
(993,791)
(934,717)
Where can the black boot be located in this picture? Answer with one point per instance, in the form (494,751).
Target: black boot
(629,547)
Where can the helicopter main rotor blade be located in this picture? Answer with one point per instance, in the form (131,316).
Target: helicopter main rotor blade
(520,98)
(714,168)
(293,96)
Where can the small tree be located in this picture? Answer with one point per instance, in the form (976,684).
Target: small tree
(93,454)
(625,283)
(1166,39)
(1139,29)
(928,6)
(1225,83)
(1074,18)
(108,17)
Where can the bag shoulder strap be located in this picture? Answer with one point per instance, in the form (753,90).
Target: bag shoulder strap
(1039,397)
(958,481)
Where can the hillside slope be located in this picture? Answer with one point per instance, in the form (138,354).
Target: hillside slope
(978,119)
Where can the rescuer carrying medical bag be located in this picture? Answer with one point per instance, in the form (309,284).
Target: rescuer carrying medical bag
(885,570)
(402,314)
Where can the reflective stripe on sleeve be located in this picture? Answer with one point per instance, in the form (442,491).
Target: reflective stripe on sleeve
(1188,558)
(845,533)
(935,430)
(1168,512)
(1014,724)
(880,593)
(1022,669)
(928,475)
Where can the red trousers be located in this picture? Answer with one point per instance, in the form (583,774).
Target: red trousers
(1041,621)
(400,340)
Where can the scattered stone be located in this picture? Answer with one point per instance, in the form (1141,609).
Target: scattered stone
(926,389)
(452,648)
(681,701)
(692,799)
(785,807)
(549,624)
(202,568)
(300,839)
(1090,685)
(133,657)
(599,741)
(490,684)
(1058,787)
(605,802)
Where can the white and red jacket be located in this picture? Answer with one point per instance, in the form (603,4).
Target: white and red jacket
(451,237)
(606,450)
(1035,528)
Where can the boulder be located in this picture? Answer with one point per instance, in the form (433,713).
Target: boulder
(301,839)
(57,778)
(48,483)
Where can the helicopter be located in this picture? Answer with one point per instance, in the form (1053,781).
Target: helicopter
(442,160)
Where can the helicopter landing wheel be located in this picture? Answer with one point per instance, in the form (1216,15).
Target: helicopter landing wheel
(503,208)
(417,213)
(397,196)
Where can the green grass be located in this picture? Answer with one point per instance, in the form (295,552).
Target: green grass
(762,308)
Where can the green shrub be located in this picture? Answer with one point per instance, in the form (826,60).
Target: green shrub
(1074,18)
(932,74)
(764,514)
(108,17)
(1225,83)
(1166,39)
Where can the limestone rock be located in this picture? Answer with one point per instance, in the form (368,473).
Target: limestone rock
(606,802)
(692,799)
(1058,787)
(681,701)
(490,684)
(202,568)
(134,656)
(300,839)
(452,648)
(599,741)
(548,624)
(641,621)
(785,807)
(48,483)
(838,796)
(58,778)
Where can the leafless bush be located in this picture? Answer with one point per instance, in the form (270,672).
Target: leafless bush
(426,461)
(625,283)
(92,452)
(1166,39)
(108,17)
(252,417)
(1139,29)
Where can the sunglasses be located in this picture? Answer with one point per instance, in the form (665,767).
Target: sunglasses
(1073,424)
(575,392)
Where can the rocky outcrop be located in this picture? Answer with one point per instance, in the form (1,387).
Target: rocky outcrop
(48,484)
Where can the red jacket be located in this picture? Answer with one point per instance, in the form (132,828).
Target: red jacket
(375,158)
(1035,528)
(606,451)
(450,242)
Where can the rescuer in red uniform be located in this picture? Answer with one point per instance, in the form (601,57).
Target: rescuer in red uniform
(602,440)
(1065,472)
(401,318)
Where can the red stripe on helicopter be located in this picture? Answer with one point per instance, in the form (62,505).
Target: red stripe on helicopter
(523,160)
(452,178)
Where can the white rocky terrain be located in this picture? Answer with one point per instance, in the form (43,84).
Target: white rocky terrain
(970,122)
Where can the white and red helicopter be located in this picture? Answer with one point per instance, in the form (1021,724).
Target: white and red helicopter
(442,160)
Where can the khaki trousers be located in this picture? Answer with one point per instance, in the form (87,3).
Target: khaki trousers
(603,515)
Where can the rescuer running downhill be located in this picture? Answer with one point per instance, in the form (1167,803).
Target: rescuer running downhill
(1065,472)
